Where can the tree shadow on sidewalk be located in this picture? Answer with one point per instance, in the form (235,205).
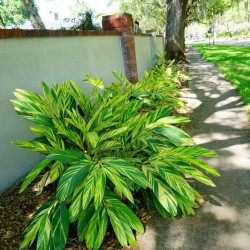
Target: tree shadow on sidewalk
(220,124)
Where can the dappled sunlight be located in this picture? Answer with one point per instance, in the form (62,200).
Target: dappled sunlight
(239,240)
(221,212)
(233,62)
(149,243)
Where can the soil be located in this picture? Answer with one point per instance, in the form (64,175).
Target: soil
(16,209)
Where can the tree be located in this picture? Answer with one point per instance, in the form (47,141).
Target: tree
(208,12)
(177,15)
(82,17)
(18,11)
(87,21)
(149,13)
(83,22)
(34,17)
(12,12)
(175,27)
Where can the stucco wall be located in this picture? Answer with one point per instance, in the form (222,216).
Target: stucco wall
(160,44)
(143,54)
(24,62)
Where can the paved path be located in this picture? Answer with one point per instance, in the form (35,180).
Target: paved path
(220,124)
(245,43)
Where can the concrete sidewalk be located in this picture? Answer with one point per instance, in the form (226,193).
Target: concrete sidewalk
(221,125)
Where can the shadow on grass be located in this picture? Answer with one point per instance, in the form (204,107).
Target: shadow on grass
(233,62)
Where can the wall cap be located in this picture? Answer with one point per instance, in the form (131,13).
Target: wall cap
(23,33)
(115,16)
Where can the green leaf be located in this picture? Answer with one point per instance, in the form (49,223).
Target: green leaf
(37,129)
(108,145)
(47,92)
(175,135)
(140,95)
(70,134)
(89,187)
(78,94)
(92,138)
(121,77)
(126,212)
(71,178)
(76,120)
(42,183)
(34,146)
(131,110)
(174,179)
(162,192)
(162,211)
(30,234)
(100,187)
(97,228)
(67,156)
(44,233)
(54,139)
(158,114)
(45,121)
(103,224)
(95,81)
(34,173)
(117,225)
(195,151)
(191,171)
(177,153)
(186,205)
(118,181)
(125,226)
(76,205)
(127,169)
(56,171)
(60,226)
(93,229)
(112,133)
(168,120)
(200,164)
(84,219)
(34,224)
(94,116)
(31,107)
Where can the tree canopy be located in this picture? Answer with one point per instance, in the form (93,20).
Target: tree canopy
(12,12)
(149,13)
(16,12)
(152,13)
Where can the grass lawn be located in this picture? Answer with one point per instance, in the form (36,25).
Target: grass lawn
(233,62)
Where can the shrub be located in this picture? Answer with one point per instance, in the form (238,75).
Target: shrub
(101,150)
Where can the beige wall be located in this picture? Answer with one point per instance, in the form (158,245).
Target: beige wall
(159,44)
(24,63)
(143,54)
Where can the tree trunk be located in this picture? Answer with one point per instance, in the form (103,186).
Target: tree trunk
(2,22)
(175,28)
(33,14)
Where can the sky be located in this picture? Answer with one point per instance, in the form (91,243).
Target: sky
(62,7)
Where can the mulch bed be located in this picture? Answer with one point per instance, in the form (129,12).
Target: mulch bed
(16,209)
